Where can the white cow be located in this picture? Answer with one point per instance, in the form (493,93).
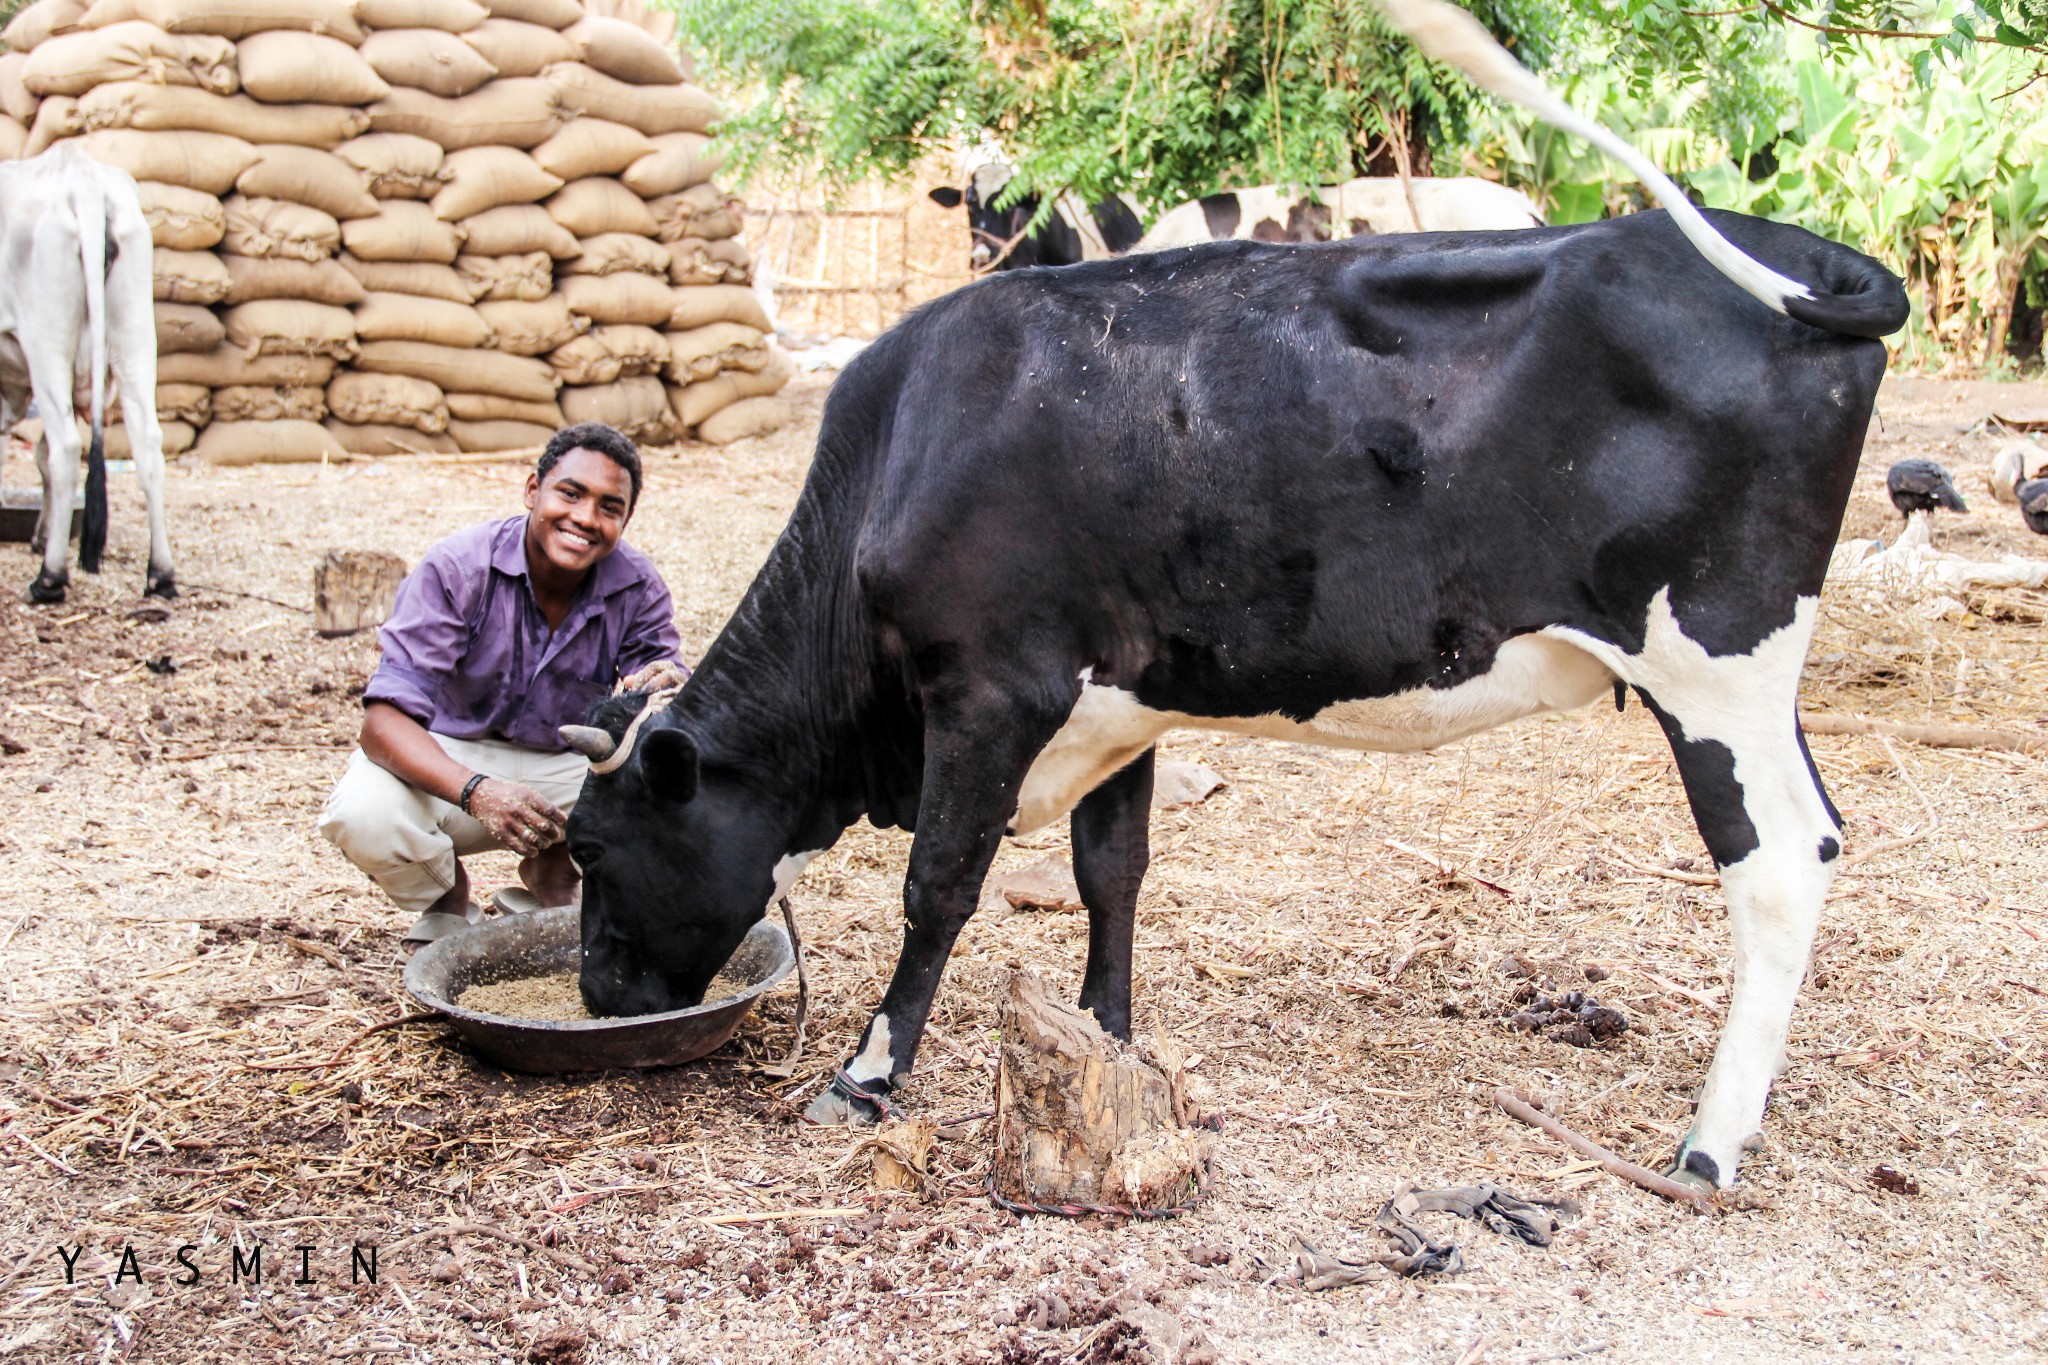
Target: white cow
(75,300)
(1356,208)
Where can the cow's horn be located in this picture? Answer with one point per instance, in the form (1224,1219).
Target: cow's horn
(588,740)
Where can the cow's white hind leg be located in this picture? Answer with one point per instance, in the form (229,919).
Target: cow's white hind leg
(60,468)
(1733,725)
(131,348)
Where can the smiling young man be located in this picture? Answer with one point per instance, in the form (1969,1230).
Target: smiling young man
(504,632)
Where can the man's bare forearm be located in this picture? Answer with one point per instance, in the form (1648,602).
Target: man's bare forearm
(402,747)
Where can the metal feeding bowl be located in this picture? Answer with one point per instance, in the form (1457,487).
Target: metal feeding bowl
(545,942)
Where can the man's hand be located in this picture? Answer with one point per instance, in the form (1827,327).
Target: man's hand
(655,676)
(518,817)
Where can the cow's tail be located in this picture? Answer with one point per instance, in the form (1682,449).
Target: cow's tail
(90,207)
(1868,307)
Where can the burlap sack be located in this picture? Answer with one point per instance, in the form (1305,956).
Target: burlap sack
(277,227)
(427,59)
(638,407)
(56,119)
(692,403)
(290,442)
(529,276)
(490,407)
(396,165)
(692,260)
(449,16)
(373,438)
(26,31)
(403,230)
(240,18)
(547,13)
(701,305)
(518,49)
(137,104)
(592,146)
(15,100)
(290,327)
(229,365)
(678,161)
(107,13)
(515,230)
(703,211)
(309,176)
(608,253)
(13,137)
(178,438)
(598,204)
(610,354)
(653,109)
(421,278)
(282,67)
(623,51)
(76,62)
(187,327)
(251,279)
(702,352)
(189,403)
(388,399)
(198,161)
(625,297)
(533,328)
(484,178)
(469,371)
(747,417)
(508,113)
(188,276)
(483,437)
(407,317)
(268,403)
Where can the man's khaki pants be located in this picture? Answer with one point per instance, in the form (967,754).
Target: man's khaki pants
(407,840)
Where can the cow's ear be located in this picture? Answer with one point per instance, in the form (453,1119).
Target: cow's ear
(668,760)
(946,197)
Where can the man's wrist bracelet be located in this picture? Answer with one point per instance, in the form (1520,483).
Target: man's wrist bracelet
(468,790)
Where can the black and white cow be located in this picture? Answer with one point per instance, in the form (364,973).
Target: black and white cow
(1380,493)
(1076,231)
(1356,208)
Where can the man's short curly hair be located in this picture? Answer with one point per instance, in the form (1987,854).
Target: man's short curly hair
(607,441)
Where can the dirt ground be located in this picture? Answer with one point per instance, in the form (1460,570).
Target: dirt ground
(181,956)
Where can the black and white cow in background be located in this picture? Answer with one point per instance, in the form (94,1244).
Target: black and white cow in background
(1077,231)
(76,301)
(1367,206)
(1381,493)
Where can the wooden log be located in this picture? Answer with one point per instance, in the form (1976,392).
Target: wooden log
(354,589)
(1081,1121)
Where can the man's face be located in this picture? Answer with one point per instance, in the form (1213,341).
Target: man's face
(578,513)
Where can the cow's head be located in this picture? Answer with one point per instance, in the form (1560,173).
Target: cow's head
(678,857)
(985,177)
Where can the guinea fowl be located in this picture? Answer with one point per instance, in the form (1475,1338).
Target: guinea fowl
(1922,486)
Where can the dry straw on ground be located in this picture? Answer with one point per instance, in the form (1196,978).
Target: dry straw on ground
(1334,940)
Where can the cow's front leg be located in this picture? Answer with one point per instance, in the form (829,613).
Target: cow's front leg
(1775,836)
(975,761)
(1112,849)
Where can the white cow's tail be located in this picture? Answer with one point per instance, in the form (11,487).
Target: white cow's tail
(1453,36)
(89,207)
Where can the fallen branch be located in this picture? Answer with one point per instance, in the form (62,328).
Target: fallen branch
(1933,736)
(1517,1107)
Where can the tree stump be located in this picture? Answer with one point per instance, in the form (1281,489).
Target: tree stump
(353,590)
(1079,1119)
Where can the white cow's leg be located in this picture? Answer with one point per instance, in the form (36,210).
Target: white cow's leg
(43,518)
(1733,725)
(60,481)
(131,346)
(146,437)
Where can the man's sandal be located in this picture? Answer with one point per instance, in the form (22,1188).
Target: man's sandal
(517,900)
(437,924)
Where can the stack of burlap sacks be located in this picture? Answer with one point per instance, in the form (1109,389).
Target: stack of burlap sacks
(400,226)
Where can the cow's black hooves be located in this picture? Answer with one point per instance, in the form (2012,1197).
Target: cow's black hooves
(46,591)
(165,587)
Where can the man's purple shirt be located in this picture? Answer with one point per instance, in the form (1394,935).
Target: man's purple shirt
(468,654)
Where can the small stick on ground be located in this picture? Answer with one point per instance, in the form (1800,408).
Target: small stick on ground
(419,1017)
(1519,1108)
(1933,736)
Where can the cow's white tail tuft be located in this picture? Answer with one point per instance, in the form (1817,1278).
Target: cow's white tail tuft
(1453,36)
